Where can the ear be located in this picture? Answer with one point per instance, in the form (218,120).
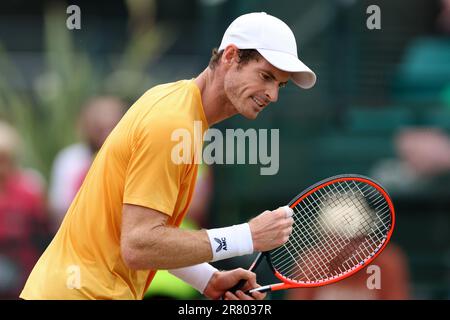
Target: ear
(230,55)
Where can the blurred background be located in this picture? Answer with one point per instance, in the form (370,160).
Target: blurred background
(381,108)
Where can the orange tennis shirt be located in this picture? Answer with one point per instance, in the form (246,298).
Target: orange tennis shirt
(134,166)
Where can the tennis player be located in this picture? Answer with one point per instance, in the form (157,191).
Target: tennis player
(122,226)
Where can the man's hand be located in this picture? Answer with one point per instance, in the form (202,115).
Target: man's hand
(271,229)
(222,281)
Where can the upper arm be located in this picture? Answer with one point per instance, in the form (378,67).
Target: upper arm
(137,224)
(137,219)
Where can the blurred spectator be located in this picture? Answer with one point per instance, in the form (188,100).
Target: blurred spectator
(164,285)
(393,282)
(97,119)
(426,151)
(422,153)
(23,220)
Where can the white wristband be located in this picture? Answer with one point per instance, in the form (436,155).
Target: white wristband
(197,276)
(230,241)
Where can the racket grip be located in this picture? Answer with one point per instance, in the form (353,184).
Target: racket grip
(237,286)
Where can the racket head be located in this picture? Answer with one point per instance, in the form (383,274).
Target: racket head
(341,224)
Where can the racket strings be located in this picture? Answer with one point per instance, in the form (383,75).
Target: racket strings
(336,228)
(333,250)
(309,223)
(317,262)
(312,263)
(344,243)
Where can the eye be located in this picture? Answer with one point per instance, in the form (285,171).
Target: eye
(264,76)
(282,85)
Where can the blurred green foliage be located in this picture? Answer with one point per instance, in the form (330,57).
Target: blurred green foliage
(46,110)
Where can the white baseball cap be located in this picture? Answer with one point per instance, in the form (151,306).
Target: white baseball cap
(274,40)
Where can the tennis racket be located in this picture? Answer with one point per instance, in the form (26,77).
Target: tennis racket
(341,224)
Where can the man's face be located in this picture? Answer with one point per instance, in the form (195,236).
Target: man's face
(252,86)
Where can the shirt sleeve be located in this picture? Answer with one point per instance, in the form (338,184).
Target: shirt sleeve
(153,180)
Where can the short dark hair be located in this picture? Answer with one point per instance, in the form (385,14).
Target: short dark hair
(245,56)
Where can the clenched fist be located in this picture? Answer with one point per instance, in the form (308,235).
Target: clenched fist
(271,229)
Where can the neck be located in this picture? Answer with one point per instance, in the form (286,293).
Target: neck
(216,105)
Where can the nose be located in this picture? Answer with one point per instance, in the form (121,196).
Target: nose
(272,93)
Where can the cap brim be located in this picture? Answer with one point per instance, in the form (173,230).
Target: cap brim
(302,76)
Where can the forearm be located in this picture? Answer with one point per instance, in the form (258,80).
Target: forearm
(147,242)
(168,248)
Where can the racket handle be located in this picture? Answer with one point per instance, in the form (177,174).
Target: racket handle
(242,282)
(260,289)
(238,286)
